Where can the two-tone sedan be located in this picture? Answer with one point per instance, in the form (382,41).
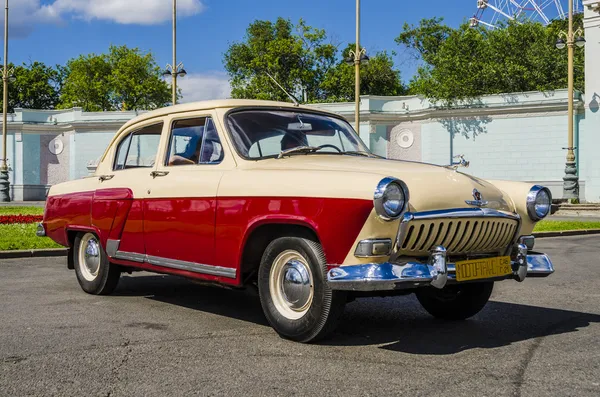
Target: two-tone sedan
(288,198)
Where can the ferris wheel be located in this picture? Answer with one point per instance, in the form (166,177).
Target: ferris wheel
(492,12)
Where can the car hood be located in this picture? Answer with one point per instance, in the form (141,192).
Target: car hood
(431,187)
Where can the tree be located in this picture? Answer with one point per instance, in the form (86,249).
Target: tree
(123,79)
(469,62)
(302,61)
(86,84)
(377,77)
(36,86)
(296,56)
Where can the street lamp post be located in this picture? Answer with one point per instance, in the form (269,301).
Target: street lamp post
(357,57)
(4,182)
(176,69)
(571,179)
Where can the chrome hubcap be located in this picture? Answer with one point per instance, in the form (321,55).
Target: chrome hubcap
(291,285)
(89,257)
(296,286)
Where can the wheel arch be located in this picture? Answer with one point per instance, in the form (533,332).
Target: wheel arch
(71,232)
(261,233)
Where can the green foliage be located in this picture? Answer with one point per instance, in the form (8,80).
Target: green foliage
(556,226)
(377,77)
(19,210)
(22,237)
(425,39)
(36,86)
(123,79)
(303,62)
(469,62)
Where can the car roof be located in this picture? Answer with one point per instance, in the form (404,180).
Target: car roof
(213,104)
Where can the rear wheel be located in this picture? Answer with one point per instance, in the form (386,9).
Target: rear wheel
(95,274)
(455,302)
(293,290)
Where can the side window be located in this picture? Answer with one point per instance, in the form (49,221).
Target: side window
(122,153)
(139,149)
(194,141)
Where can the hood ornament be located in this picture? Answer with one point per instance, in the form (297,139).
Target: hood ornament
(461,163)
(478,199)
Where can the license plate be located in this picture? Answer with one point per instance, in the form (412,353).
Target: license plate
(475,269)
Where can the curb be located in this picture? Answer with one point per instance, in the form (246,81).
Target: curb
(33,253)
(566,233)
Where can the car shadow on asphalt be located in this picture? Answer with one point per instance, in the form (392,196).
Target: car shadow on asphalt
(400,324)
(396,323)
(239,304)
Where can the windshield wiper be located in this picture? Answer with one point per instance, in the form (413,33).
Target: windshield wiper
(298,149)
(356,152)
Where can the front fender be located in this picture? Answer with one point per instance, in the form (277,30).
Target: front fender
(517,192)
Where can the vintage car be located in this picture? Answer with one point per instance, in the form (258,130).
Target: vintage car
(288,199)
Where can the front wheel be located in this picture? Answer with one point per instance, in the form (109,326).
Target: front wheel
(95,274)
(293,290)
(455,302)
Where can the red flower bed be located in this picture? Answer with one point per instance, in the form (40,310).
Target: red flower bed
(9,219)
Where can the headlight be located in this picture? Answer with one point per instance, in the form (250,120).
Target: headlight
(539,202)
(391,198)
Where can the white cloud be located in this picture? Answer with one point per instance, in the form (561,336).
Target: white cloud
(22,18)
(146,12)
(204,86)
(24,15)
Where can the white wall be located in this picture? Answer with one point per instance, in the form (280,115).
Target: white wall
(589,142)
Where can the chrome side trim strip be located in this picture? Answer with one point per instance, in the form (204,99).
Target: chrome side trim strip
(129,256)
(191,266)
(112,246)
(176,264)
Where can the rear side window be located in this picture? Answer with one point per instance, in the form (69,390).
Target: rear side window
(139,148)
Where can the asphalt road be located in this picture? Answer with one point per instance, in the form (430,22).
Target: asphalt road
(166,336)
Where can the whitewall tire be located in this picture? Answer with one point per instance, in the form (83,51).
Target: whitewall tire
(95,274)
(293,291)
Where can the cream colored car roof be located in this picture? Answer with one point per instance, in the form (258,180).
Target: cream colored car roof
(203,105)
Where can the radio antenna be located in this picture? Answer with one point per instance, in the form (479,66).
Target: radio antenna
(293,98)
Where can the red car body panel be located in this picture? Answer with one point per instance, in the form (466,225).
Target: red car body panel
(210,231)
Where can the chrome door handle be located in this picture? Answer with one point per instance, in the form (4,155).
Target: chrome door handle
(154,174)
(103,178)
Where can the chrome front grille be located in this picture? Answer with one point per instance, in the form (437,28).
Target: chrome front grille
(462,231)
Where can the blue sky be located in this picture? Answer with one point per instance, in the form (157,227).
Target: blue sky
(52,31)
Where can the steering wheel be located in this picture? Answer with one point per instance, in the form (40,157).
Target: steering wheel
(331,146)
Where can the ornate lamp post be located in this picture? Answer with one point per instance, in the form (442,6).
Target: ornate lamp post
(571,179)
(357,57)
(6,76)
(176,69)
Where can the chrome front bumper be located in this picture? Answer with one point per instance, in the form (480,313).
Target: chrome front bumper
(437,273)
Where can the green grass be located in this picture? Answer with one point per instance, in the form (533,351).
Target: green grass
(22,237)
(21,211)
(556,226)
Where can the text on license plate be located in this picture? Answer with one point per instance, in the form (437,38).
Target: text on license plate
(475,269)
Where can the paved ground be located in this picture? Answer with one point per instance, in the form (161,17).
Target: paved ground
(165,336)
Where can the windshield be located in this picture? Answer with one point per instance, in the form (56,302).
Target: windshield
(259,134)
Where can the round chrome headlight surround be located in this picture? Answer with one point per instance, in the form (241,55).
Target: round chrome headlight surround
(539,202)
(390,198)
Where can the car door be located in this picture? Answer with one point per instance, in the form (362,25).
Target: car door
(180,207)
(117,206)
